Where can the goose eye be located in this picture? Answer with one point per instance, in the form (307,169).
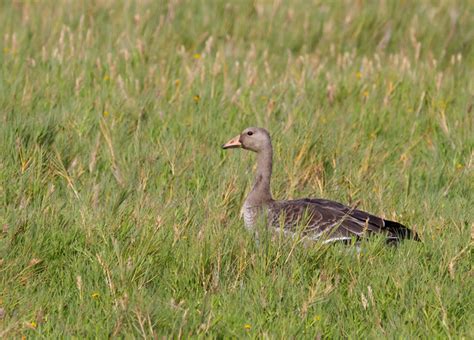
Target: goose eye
(250,133)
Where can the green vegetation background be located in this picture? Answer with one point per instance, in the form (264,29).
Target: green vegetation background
(120,213)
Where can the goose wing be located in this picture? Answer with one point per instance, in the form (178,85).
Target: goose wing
(332,220)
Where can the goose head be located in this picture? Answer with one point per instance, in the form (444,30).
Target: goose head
(253,138)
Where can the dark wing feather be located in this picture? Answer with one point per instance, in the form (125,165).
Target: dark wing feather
(391,228)
(333,220)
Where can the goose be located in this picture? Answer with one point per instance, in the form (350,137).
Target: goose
(311,218)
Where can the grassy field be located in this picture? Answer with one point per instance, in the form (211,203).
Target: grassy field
(119,212)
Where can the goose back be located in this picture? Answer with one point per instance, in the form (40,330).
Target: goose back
(332,221)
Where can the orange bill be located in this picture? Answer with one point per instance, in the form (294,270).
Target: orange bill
(233,143)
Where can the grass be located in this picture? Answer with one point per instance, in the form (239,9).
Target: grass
(120,213)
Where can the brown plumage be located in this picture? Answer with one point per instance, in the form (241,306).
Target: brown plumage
(312,218)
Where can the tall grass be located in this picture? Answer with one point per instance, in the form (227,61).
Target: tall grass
(120,213)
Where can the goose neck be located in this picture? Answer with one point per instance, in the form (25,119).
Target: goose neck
(261,189)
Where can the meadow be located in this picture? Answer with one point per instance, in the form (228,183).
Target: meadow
(120,213)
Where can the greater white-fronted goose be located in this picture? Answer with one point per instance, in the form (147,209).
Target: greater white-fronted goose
(313,218)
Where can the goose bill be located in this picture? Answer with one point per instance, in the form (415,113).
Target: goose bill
(233,143)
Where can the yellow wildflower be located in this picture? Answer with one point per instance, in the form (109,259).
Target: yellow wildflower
(32,325)
(197,56)
(196,98)
(105,113)
(390,87)
(359,75)
(95,295)
(317,317)
(247,326)
(106,77)
(365,94)
(443,105)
